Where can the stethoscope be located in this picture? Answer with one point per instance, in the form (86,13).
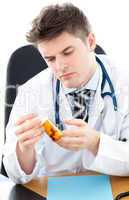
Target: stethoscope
(121,195)
(105,78)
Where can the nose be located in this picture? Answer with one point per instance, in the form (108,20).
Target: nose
(60,63)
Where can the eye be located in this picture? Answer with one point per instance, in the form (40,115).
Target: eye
(68,52)
(51,59)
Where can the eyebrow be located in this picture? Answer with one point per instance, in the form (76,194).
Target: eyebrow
(63,51)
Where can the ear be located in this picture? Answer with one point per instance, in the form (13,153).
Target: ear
(91,41)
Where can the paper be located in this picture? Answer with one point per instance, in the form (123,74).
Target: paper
(79,188)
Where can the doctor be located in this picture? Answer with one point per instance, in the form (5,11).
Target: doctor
(95,137)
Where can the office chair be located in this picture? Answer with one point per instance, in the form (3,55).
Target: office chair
(23,64)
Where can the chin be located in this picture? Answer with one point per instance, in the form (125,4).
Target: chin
(70,85)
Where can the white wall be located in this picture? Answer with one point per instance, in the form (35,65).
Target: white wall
(108,18)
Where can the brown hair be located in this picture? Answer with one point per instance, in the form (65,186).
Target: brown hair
(55,19)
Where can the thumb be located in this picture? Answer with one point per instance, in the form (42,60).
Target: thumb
(76,122)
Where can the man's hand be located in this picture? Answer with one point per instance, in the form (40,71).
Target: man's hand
(80,137)
(28,133)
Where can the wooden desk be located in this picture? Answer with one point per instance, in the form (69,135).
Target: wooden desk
(119,184)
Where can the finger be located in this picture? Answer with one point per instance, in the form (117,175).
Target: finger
(74,141)
(25,117)
(76,122)
(73,133)
(32,142)
(28,124)
(71,143)
(28,135)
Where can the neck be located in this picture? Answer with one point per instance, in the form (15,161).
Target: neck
(91,72)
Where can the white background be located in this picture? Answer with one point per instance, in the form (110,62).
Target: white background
(109,19)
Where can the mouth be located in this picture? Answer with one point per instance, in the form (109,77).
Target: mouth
(67,75)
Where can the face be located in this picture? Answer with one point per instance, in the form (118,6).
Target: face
(70,58)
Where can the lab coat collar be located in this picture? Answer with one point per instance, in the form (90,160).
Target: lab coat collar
(98,104)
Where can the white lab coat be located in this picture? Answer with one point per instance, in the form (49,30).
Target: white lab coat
(36,96)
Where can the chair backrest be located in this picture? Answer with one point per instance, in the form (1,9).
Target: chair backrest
(99,50)
(23,64)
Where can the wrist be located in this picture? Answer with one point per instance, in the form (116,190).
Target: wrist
(26,158)
(24,149)
(95,143)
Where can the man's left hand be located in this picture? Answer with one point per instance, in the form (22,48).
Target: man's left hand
(80,137)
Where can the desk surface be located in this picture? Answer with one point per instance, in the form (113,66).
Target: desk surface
(118,184)
(37,189)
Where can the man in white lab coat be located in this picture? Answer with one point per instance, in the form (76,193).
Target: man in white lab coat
(98,141)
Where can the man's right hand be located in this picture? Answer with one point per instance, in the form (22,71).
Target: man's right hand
(29,133)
